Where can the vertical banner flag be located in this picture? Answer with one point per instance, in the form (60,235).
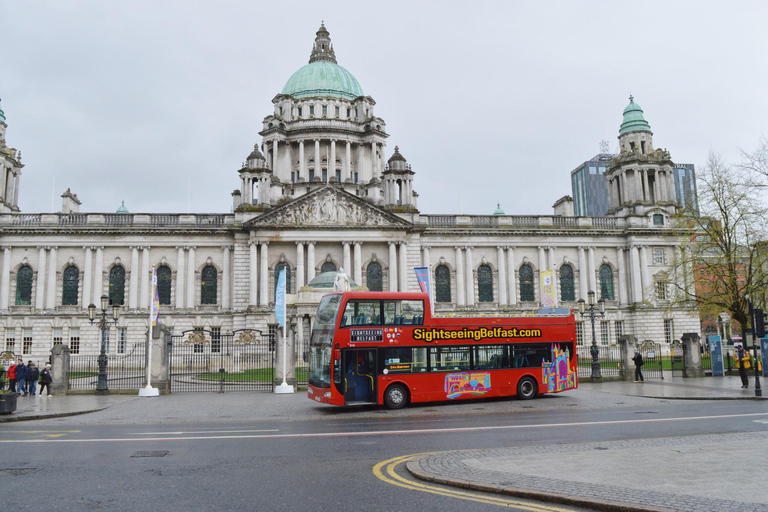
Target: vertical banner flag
(280,298)
(422,277)
(548,292)
(155,312)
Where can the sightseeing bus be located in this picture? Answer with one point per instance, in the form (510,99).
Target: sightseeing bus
(387,349)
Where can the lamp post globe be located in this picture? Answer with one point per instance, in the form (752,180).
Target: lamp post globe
(103,323)
(588,309)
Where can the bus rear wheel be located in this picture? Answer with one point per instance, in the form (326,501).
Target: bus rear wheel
(395,397)
(527,388)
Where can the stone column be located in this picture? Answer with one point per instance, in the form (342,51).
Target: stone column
(425,256)
(299,265)
(634,263)
(460,295)
(318,167)
(591,269)
(179,277)
(5,279)
(264,280)
(470,277)
(346,259)
(87,277)
(645,280)
(373,159)
(253,273)
(348,163)
(98,276)
(511,276)
(621,269)
(60,369)
(403,266)
(274,156)
(302,162)
(310,261)
(583,274)
(500,257)
(51,295)
(358,263)
(191,267)
(392,267)
(40,298)
(133,282)
(542,266)
(332,161)
(226,277)
(144,294)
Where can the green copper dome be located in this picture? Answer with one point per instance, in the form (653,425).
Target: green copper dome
(326,280)
(323,78)
(122,208)
(498,211)
(633,119)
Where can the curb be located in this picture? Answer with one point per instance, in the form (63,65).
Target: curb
(549,497)
(10,418)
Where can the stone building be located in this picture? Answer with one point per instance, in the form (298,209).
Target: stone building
(318,193)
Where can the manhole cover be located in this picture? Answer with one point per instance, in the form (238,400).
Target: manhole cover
(153,453)
(17,471)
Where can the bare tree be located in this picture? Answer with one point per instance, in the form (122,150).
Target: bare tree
(756,163)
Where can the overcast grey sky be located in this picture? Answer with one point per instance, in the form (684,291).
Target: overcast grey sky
(489,101)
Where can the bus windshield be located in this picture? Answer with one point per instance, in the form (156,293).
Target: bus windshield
(321,341)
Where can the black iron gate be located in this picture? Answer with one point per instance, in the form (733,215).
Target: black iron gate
(653,367)
(677,358)
(203,360)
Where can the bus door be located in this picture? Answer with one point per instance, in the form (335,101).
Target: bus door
(359,375)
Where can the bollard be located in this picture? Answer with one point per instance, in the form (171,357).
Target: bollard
(221,387)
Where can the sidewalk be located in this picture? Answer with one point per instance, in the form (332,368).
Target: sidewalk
(42,407)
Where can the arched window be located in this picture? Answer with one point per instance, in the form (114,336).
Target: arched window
(567,291)
(606,282)
(208,285)
(164,285)
(116,286)
(373,275)
(442,284)
(328,266)
(280,266)
(69,286)
(484,284)
(24,286)
(527,292)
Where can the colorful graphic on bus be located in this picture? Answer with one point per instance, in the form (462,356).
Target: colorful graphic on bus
(556,374)
(467,383)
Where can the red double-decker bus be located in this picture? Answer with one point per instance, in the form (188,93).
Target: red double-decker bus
(386,348)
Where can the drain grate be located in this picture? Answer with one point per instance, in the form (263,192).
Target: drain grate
(16,471)
(153,453)
(600,448)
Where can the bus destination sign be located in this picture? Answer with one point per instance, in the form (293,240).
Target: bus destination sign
(361,335)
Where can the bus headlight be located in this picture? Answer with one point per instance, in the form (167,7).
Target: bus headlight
(327,395)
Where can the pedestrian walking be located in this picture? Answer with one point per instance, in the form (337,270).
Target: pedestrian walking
(638,360)
(11,375)
(21,378)
(46,379)
(742,363)
(33,375)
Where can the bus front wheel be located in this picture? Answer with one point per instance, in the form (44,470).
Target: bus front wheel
(395,397)
(527,388)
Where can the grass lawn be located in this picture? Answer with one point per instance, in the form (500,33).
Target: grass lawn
(260,375)
(78,375)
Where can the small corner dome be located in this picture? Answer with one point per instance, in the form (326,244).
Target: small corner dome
(397,161)
(633,119)
(498,210)
(256,154)
(326,280)
(122,208)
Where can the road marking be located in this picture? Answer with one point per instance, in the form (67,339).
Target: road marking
(39,431)
(201,432)
(391,477)
(760,421)
(391,432)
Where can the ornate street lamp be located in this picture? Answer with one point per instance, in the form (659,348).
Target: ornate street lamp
(588,309)
(101,384)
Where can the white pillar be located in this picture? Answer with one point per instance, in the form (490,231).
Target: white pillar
(346,258)
(402,266)
(299,265)
(253,273)
(392,267)
(310,261)
(460,296)
(511,275)
(373,159)
(542,266)
(425,256)
(348,163)
(191,267)
(591,268)
(5,279)
(332,163)
(179,277)
(144,293)
(98,276)
(51,295)
(226,277)
(302,162)
(583,274)
(358,263)
(645,280)
(274,157)
(133,282)
(470,277)
(318,167)
(264,280)
(622,271)
(40,298)
(634,263)
(87,276)
(502,267)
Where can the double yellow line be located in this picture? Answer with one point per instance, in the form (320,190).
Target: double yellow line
(386,472)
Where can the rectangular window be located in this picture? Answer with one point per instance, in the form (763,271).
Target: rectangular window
(311,110)
(349,112)
(604,333)
(10,339)
(580,333)
(658,256)
(300,110)
(362,312)
(661,290)
(74,341)
(618,326)
(26,347)
(530,355)
(668,331)
(105,340)
(490,357)
(215,340)
(592,170)
(325,110)
(449,359)
(58,336)
(122,339)
(403,312)
(337,111)
(405,360)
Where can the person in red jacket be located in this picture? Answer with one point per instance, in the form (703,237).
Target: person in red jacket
(11,374)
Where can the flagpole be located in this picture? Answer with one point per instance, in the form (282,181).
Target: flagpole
(148,390)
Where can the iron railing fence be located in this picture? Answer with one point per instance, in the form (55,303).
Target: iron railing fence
(126,369)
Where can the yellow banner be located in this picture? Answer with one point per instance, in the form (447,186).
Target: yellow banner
(548,288)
